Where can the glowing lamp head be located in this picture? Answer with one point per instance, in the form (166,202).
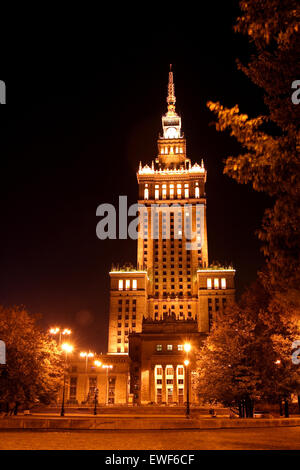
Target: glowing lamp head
(186,362)
(66,331)
(187,347)
(90,354)
(53,331)
(278,361)
(68,348)
(98,363)
(82,354)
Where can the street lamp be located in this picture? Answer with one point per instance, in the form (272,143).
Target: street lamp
(96,399)
(107,367)
(67,348)
(97,364)
(56,330)
(187,347)
(86,355)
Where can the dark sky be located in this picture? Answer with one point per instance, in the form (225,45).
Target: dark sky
(83,108)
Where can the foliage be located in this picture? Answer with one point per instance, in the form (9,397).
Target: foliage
(34,368)
(270,158)
(247,355)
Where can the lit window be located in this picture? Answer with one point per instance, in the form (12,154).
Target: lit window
(169,371)
(197,191)
(181,150)
(162,151)
(127,284)
(170,347)
(159,371)
(171,150)
(159,347)
(223,283)
(180,371)
(176,149)
(134,284)
(180,347)
(146,193)
(216,283)
(156,191)
(209,283)
(166,150)
(186,190)
(164,191)
(171,191)
(120,284)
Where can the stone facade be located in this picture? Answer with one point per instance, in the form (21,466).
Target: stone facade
(111,383)
(173,294)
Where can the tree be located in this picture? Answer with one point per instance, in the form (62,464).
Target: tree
(34,367)
(247,356)
(270,159)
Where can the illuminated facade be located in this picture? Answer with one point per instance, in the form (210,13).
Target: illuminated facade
(173,294)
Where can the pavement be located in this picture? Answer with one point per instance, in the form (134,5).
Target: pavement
(217,439)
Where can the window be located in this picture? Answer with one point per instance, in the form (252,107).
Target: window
(197,192)
(159,347)
(186,190)
(164,191)
(171,191)
(159,371)
(169,371)
(216,283)
(146,193)
(180,347)
(134,284)
(170,347)
(209,284)
(223,283)
(156,191)
(179,191)
(180,371)
(127,284)
(120,284)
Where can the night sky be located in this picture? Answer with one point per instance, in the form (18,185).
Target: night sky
(83,108)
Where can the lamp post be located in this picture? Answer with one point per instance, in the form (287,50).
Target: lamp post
(86,355)
(68,348)
(96,399)
(55,331)
(107,367)
(187,347)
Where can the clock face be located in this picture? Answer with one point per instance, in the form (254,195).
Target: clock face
(171,133)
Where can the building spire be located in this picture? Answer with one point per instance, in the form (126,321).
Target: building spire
(171,99)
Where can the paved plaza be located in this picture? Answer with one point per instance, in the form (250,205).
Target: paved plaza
(282,438)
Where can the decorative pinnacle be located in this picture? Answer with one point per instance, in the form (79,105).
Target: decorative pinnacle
(171,99)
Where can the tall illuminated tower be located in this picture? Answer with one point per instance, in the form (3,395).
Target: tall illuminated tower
(172,276)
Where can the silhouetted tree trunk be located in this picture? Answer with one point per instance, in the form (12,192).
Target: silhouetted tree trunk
(286,408)
(280,407)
